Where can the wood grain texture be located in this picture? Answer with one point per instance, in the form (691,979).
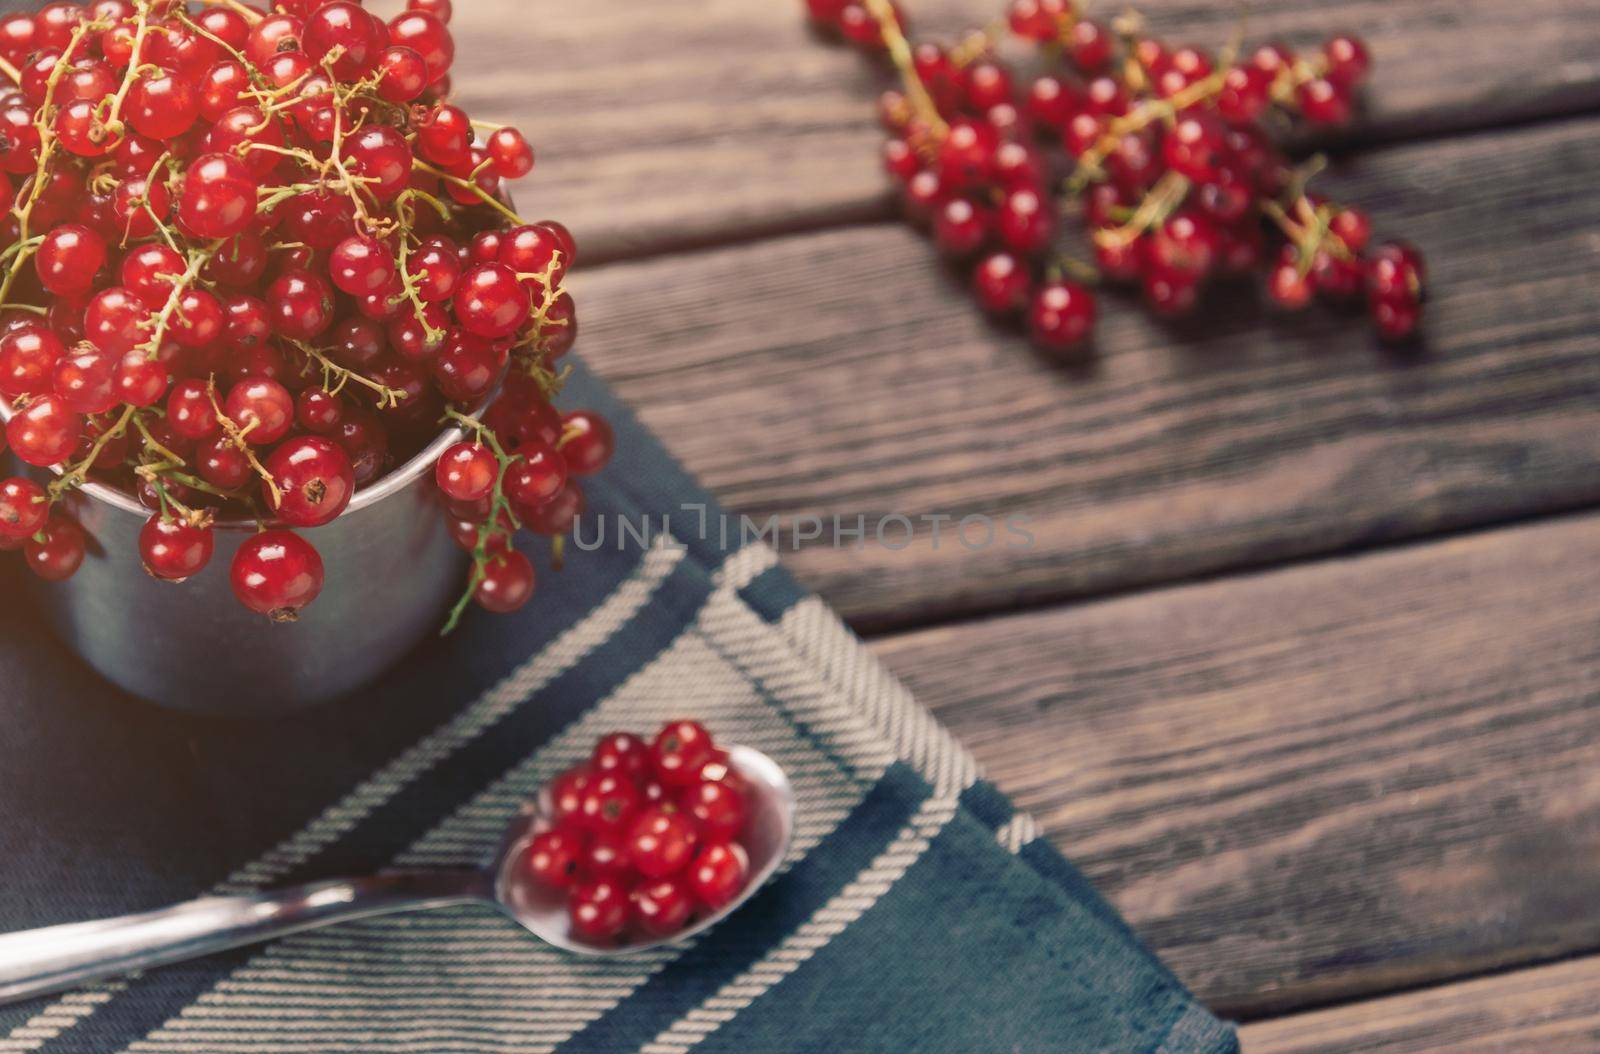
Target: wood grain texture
(841,373)
(665,123)
(1547,1010)
(1318,783)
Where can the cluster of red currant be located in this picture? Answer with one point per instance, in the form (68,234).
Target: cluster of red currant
(645,835)
(253,260)
(1164,151)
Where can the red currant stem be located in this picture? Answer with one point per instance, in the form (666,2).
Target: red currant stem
(483,195)
(10,71)
(300,154)
(113,118)
(408,194)
(488,126)
(978,43)
(499,511)
(195,482)
(1074,268)
(335,377)
(238,56)
(151,443)
(238,436)
(198,258)
(558,551)
(538,338)
(155,477)
(408,284)
(249,14)
(1144,114)
(42,123)
(75,475)
(23,246)
(336,148)
(1159,203)
(899,47)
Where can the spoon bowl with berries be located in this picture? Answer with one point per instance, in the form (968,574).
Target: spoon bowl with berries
(647,843)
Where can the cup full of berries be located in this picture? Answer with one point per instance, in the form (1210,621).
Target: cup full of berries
(278,357)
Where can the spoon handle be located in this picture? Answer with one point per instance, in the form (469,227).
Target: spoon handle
(35,962)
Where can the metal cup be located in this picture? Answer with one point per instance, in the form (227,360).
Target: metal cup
(392,571)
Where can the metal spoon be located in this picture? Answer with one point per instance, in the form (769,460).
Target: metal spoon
(36,962)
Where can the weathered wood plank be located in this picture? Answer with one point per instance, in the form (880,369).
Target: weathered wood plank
(1317,783)
(663,123)
(840,373)
(1549,1009)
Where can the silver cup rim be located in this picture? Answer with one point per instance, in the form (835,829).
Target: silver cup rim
(389,484)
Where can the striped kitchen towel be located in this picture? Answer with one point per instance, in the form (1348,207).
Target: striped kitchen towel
(918,912)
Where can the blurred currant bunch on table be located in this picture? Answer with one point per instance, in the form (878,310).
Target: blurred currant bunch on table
(254,261)
(1167,155)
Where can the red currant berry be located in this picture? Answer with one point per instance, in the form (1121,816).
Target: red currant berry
(1001,284)
(172,550)
(361,264)
(190,411)
(598,910)
(24,508)
(428,37)
(85,382)
(1027,222)
(1323,101)
(68,259)
(610,802)
(566,794)
(314,481)
(605,853)
(961,227)
(404,74)
(556,516)
(347,27)
(467,472)
(161,105)
(679,749)
(491,302)
(1061,316)
(381,155)
(537,477)
(262,409)
(219,196)
(56,552)
(661,842)
(140,380)
(622,754)
(719,873)
(717,807)
(28,355)
(45,432)
(301,304)
(1347,57)
(662,906)
(222,464)
(273,35)
(318,411)
(510,153)
(587,442)
(507,583)
(552,858)
(277,574)
(1395,271)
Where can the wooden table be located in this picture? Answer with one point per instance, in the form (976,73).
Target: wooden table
(1304,666)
